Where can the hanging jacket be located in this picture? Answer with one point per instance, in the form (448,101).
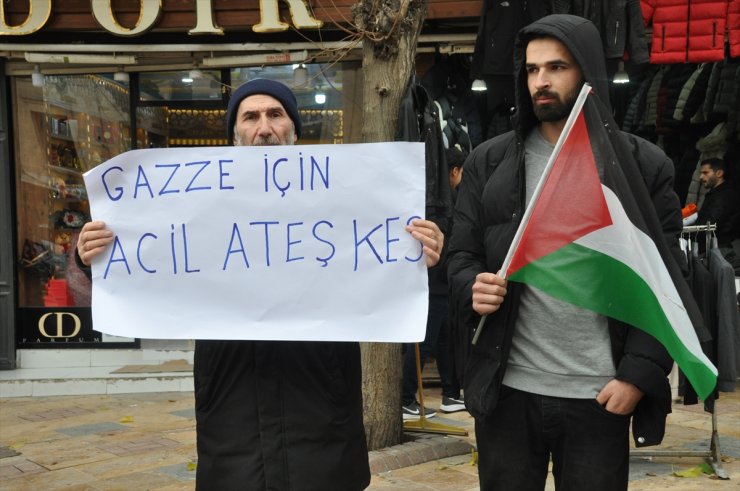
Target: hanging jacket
(418,121)
(721,91)
(489,207)
(650,115)
(686,31)
(693,92)
(499,23)
(727,341)
(636,106)
(673,83)
(619,22)
(733,28)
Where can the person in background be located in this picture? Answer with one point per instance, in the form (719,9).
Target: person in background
(721,204)
(455,161)
(275,415)
(437,338)
(546,379)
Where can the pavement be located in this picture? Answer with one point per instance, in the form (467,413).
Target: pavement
(146,441)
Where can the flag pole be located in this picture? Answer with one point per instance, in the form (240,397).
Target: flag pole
(577,106)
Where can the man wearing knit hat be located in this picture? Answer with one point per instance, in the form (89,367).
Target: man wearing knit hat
(275,415)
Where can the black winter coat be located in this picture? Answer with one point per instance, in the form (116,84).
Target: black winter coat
(489,207)
(721,206)
(497,29)
(619,22)
(418,121)
(279,416)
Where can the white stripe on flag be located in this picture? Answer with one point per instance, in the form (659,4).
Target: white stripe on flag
(631,246)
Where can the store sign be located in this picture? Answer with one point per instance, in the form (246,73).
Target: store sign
(64,327)
(150,12)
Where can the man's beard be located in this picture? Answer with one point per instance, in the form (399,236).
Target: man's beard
(555,111)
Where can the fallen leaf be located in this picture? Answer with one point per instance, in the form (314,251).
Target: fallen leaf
(126,419)
(474,457)
(192,466)
(695,471)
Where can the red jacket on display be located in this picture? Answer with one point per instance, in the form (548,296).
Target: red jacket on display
(687,31)
(733,27)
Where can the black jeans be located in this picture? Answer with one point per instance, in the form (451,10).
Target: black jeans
(589,446)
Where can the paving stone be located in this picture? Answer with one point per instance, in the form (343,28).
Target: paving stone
(64,453)
(149,480)
(184,413)
(55,414)
(137,446)
(728,446)
(92,429)
(19,468)
(378,464)
(7,452)
(159,443)
(179,471)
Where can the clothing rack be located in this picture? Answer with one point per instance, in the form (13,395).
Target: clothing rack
(712,456)
(709,227)
(693,229)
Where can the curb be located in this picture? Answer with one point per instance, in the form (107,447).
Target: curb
(422,448)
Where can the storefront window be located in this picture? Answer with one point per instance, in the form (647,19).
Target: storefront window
(190,85)
(64,128)
(74,122)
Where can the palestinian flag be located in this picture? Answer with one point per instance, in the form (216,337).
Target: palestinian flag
(592,238)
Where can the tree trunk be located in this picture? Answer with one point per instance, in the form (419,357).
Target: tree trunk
(390,30)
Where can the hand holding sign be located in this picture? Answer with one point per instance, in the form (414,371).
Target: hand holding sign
(94,238)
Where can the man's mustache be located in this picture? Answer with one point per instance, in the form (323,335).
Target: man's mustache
(265,141)
(544,94)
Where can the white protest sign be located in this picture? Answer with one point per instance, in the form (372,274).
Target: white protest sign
(266,243)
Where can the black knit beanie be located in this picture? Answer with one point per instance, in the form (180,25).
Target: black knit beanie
(279,91)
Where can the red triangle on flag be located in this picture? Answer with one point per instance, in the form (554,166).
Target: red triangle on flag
(571,204)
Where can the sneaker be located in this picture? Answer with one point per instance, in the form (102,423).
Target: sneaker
(412,412)
(450,405)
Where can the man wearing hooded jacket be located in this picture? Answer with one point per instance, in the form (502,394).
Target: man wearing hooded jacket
(547,379)
(275,415)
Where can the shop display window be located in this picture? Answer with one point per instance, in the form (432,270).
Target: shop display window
(184,85)
(66,127)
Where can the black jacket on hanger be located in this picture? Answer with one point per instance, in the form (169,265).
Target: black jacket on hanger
(721,206)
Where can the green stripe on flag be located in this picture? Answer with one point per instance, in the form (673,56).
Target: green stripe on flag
(597,282)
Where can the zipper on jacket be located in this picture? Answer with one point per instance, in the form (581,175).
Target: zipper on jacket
(714,34)
(662,38)
(688,31)
(616,33)
(522,184)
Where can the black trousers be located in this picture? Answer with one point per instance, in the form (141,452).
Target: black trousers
(436,342)
(279,416)
(589,446)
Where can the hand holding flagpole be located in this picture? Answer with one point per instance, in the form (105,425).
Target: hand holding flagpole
(578,105)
